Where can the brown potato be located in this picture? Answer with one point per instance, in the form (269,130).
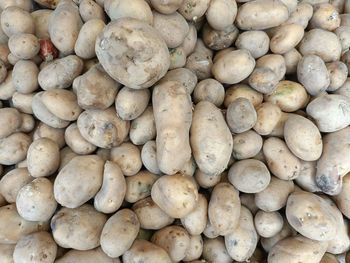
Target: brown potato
(214,250)
(286,37)
(242,91)
(193,9)
(219,39)
(143,128)
(268,116)
(87,256)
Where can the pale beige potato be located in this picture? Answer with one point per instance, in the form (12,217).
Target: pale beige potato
(139,64)
(79,228)
(103,128)
(329,258)
(28,123)
(261,14)
(242,242)
(247,200)
(146,251)
(12,59)
(66,155)
(286,37)
(184,76)
(322,43)
(139,186)
(219,39)
(149,157)
(325,17)
(13,149)
(234,67)
(6,253)
(275,195)
(10,121)
(128,157)
(13,226)
(255,41)
(24,46)
(25,76)
(210,231)
(242,91)
(24,4)
(246,145)
(79,180)
(193,9)
(286,231)
(307,177)
(177,58)
(166,7)
(263,79)
(12,182)
(268,224)
(190,40)
(221,13)
(41,21)
(206,180)
(35,247)
(223,208)
(95,89)
(214,250)
(274,62)
(176,195)
(301,15)
(3,37)
(143,128)
(290,4)
(342,199)
(241,115)
(45,131)
(4,52)
(76,142)
(90,10)
(268,115)
(15,20)
(338,73)
(343,34)
(195,249)
(60,73)
(291,59)
(7,89)
(200,63)
(189,168)
(87,256)
(64,26)
(23,102)
(196,221)
(127,225)
(85,45)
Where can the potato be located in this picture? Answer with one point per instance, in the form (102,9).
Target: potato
(190,40)
(303,138)
(242,242)
(7,89)
(268,115)
(128,157)
(292,58)
(184,76)
(149,157)
(10,121)
(176,195)
(223,208)
(138,9)
(330,112)
(221,13)
(79,228)
(79,181)
(297,249)
(219,39)
(139,186)
(206,180)
(127,225)
(24,4)
(24,46)
(263,79)
(43,157)
(196,221)
(322,43)
(261,14)
(91,10)
(241,115)
(3,71)
(85,44)
(333,164)
(325,17)
(274,197)
(15,20)
(146,251)
(301,15)
(41,21)
(6,252)
(45,131)
(274,62)
(143,129)
(60,73)
(133,67)
(76,142)
(201,64)
(343,34)
(36,247)
(214,250)
(24,76)
(247,200)
(177,58)
(23,102)
(286,37)
(13,148)
(342,198)
(256,42)
(64,26)
(208,120)
(87,256)
(66,155)
(306,179)
(246,145)
(242,91)
(209,90)
(195,249)
(338,73)
(193,9)
(329,258)
(95,89)
(13,226)
(268,224)
(268,243)
(311,216)
(234,67)
(103,128)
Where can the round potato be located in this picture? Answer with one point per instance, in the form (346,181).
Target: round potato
(139,186)
(268,115)
(246,145)
(325,17)
(182,75)
(128,157)
(193,9)
(196,221)
(143,128)
(286,37)
(209,90)
(242,91)
(90,10)
(24,46)
(221,13)
(149,157)
(219,39)
(214,250)
(15,20)
(241,115)
(13,149)
(255,41)
(268,224)
(338,73)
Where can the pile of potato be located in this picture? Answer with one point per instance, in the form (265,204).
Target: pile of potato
(163,131)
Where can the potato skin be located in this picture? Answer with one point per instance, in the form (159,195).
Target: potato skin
(246,145)
(24,75)
(87,256)
(268,224)
(242,91)
(268,116)
(10,121)
(143,128)
(221,13)
(241,115)
(13,148)
(139,186)
(286,38)
(23,22)
(214,250)
(6,253)
(255,41)
(342,199)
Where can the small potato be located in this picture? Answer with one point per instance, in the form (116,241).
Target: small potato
(139,186)
(149,157)
(103,128)
(274,62)
(41,20)
(85,44)
(143,128)
(292,58)
(201,64)
(131,103)
(306,179)
(45,131)
(177,58)
(43,157)
(12,182)
(76,142)
(322,43)
(6,253)
(263,79)
(256,42)
(127,225)
(221,13)
(193,9)
(35,201)
(196,221)
(15,20)
(64,26)
(311,216)
(66,155)
(268,116)
(330,112)
(10,121)
(13,148)
(268,224)
(209,90)
(79,228)
(36,247)
(338,73)
(167,7)
(303,138)
(241,115)
(147,251)
(313,74)
(219,39)
(242,91)
(234,67)
(25,76)
(325,17)
(7,89)
(176,195)
(286,37)
(128,157)
(214,250)
(242,242)
(301,15)
(182,75)
(274,197)
(343,33)
(246,145)
(79,181)
(261,14)
(87,256)
(223,208)
(138,9)
(60,73)
(95,89)
(90,10)
(289,96)
(13,227)
(136,66)
(23,102)
(3,71)
(195,249)
(206,180)
(24,46)
(286,231)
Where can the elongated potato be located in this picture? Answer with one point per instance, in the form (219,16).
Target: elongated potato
(320,18)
